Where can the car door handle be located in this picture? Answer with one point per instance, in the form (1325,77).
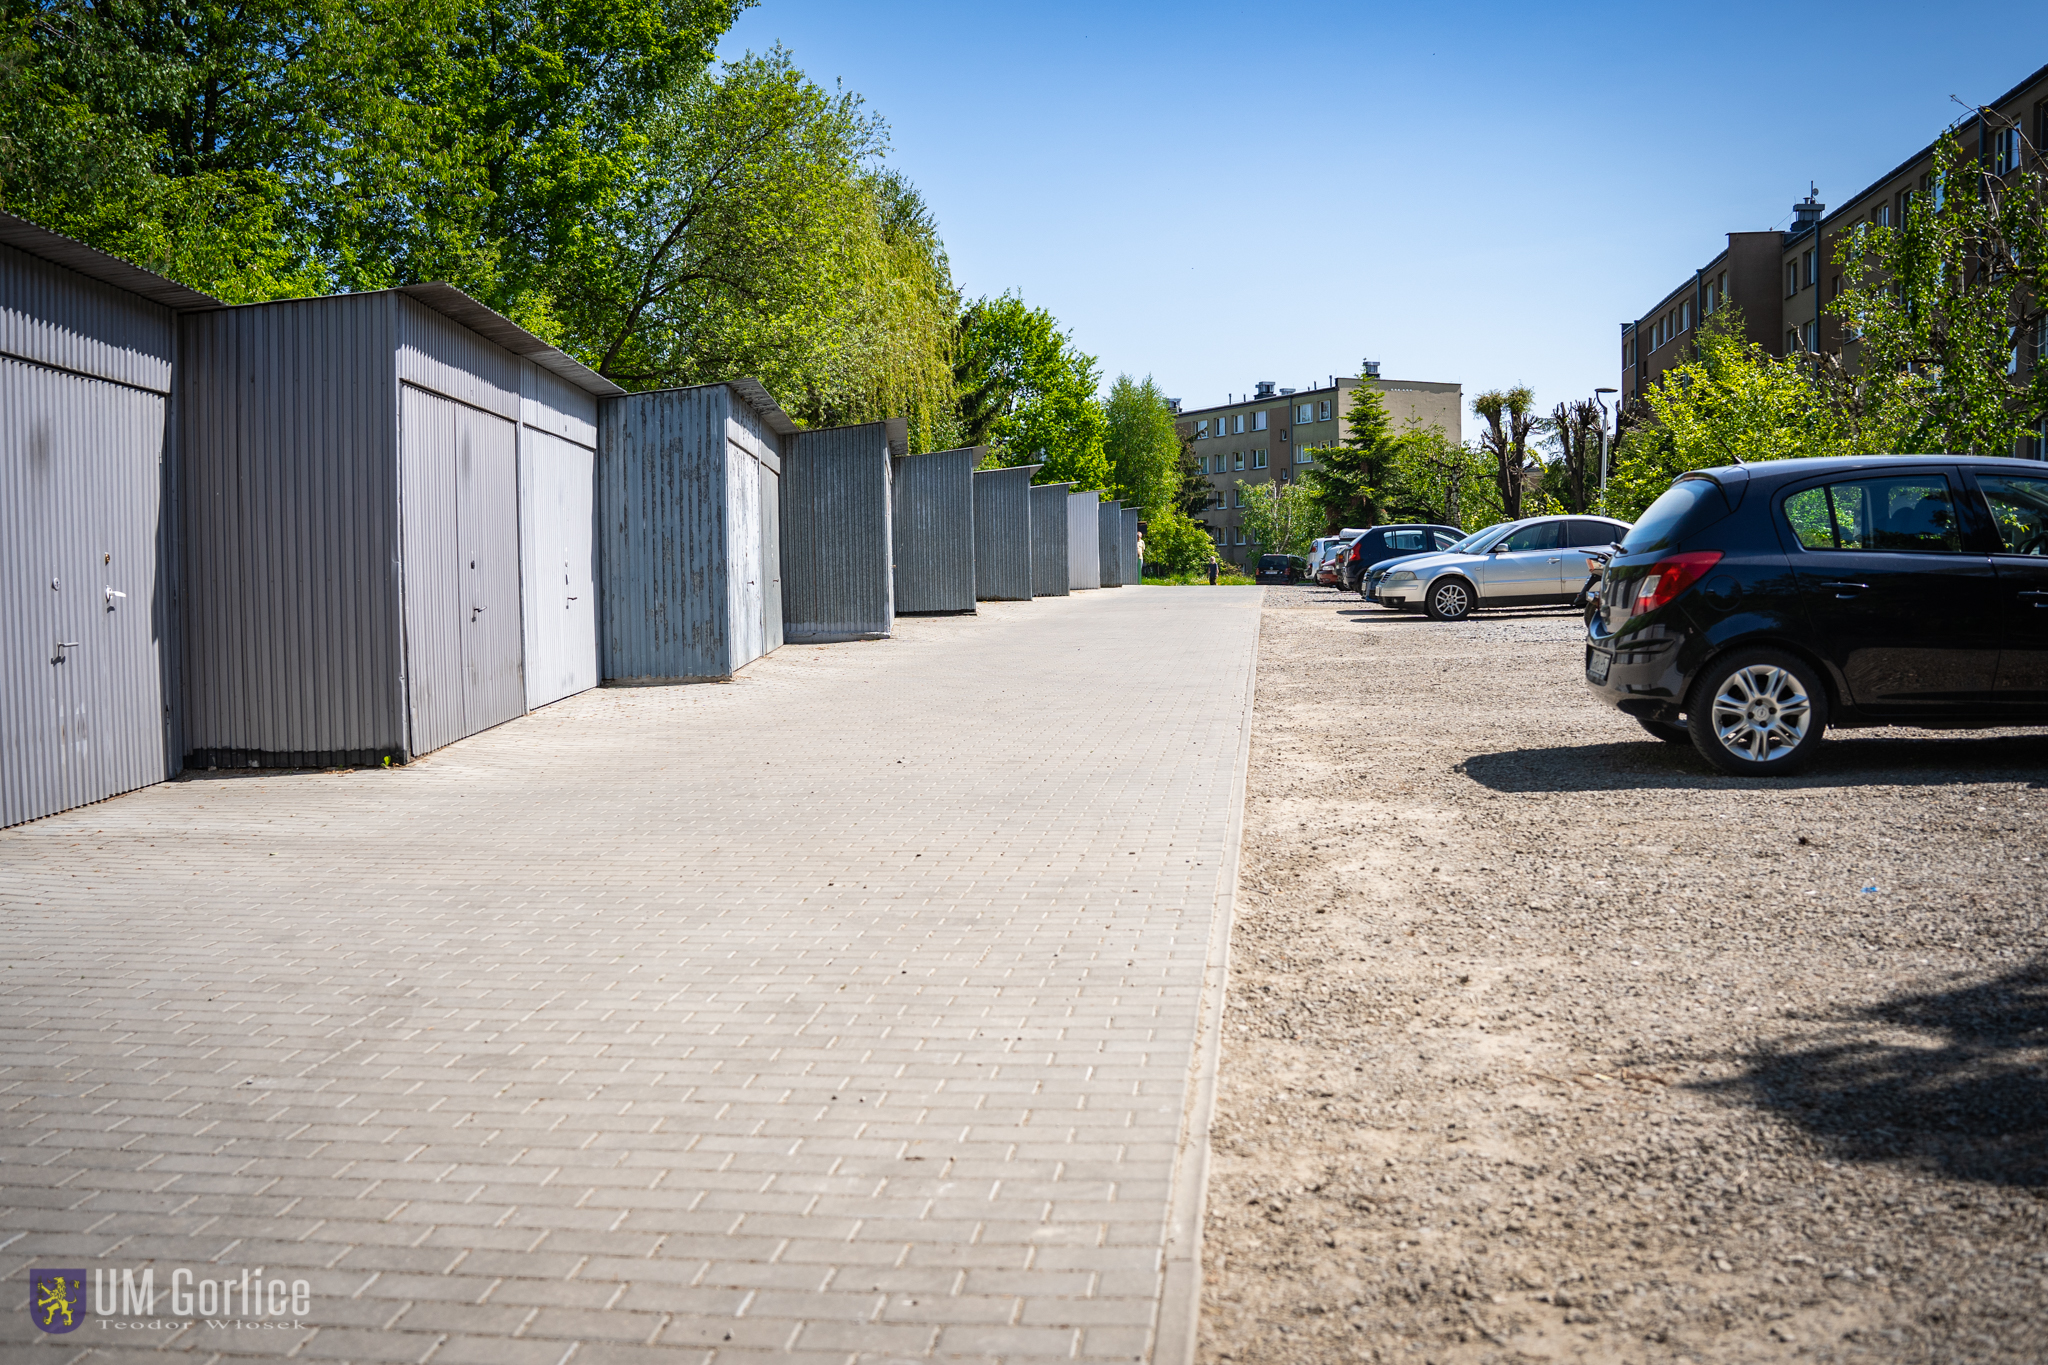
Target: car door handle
(1846,590)
(1557,559)
(2036,597)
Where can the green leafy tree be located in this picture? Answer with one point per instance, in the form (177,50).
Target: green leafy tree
(1143,444)
(1195,491)
(1027,392)
(1343,477)
(1175,543)
(1939,306)
(1432,478)
(1279,518)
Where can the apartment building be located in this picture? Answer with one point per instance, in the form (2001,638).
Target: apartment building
(1268,434)
(1784,280)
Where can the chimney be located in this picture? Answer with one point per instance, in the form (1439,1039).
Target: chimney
(1265,388)
(1173,406)
(1807,211)
(1372,369)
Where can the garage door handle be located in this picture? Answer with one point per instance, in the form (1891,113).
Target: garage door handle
(1847,589)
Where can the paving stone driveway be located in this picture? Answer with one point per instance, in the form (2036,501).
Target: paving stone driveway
(842,1013)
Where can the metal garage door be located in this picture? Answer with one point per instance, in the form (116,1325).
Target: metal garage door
(81,552)
(461,513)
(561,622)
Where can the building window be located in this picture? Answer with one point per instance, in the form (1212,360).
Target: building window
(1302,455)
(1323,411)
(2005,145)
(1237,424)
(1202,430)
(1792,342)
(1305,412)
(1259,420)
(1259,456)
(1684,316)
(1791,279)
(1881,216)
(1240,535)
(1237,459)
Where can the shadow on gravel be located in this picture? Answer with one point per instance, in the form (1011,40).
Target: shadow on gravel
(1841,762)
(1973,1105)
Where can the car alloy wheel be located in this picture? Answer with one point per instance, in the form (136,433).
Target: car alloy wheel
(1450,600)
(1760,712)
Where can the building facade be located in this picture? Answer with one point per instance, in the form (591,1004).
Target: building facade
(1783,281)
(1269,434)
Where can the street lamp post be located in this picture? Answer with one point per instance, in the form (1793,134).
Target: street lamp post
(1603,437)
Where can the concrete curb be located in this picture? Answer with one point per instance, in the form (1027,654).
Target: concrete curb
(1180,1300)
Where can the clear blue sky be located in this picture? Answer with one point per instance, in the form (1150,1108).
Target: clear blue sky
(1218,194)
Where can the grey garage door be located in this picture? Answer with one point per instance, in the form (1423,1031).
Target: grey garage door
(461,510)
(83,695)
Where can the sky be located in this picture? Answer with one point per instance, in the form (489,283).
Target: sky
(1479,193)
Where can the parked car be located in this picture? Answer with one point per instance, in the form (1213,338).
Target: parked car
(1752,607)
(1323,551)
(1280,569)
(1382,543)
(1526,563)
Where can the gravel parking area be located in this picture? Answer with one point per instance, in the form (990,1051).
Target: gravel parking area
(1545,1042)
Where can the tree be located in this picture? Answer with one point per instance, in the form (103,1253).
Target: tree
(1028,393)
(1938,305)
(1142,442)
(1575,431)
(1196,491)
(1175,543)
(1510,417)
(1279,518)
(1343,477)
(1432,478)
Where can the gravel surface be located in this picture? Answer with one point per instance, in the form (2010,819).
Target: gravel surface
(1545,1042)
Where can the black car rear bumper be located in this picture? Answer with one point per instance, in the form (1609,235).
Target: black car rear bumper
(1640,677)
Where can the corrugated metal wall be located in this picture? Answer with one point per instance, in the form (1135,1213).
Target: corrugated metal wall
(662,557)
(59,318)
(557,476)
(487,566)
(1002,534)
(433,589)
(293,639)
(837,583)
(1109,542)
(934,531)
(1084,537)
(1132,567)
(1049,540)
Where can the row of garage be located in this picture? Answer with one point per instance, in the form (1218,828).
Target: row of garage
(354,529)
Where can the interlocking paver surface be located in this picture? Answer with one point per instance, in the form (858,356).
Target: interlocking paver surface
(843,1012)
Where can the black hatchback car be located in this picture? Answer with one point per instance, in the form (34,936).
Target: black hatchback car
(1388,542)
(1752,607)
(1281,569)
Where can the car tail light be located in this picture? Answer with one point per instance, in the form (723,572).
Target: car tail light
(1669,577)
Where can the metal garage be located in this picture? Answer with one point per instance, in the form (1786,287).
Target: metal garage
(1049,539)
(351,524)
(1002,533)
(689,543)
(87,622)
(1084,541)
(1110,541)
(933,531)
(837,580)
(1132,568)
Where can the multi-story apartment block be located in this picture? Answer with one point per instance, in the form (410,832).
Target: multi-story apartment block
(1784,280)
(1268,436)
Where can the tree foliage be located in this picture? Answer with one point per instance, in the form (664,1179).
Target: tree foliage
(1142,443)
(1343,478)
(1279,518)
(1028,393)
(1174,543)
(1510,416)
(1431,478)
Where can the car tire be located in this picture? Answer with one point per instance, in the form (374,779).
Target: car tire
(1671,732)
(1449,599)
(1757,713)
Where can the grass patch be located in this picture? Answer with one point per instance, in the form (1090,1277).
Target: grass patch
(1200,579)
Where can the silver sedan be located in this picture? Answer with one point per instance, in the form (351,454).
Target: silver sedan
(1535,562)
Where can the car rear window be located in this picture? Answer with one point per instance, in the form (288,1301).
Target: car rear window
(1687,507)
(1274,561)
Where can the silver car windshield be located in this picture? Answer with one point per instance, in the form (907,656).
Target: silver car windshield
(1480,541)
